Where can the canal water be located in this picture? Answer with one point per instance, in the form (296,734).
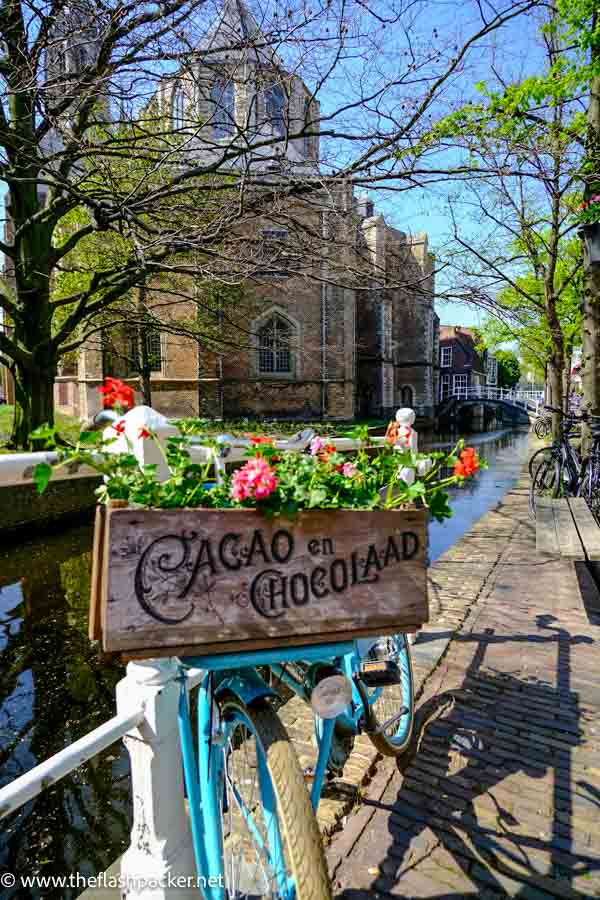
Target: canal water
(54,689)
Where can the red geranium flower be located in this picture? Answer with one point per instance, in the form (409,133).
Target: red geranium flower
(143,433)
(120,427)
(116,393)
(326,452)
(468,463)
(257,439)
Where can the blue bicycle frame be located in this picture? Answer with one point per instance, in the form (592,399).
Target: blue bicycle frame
(235,673)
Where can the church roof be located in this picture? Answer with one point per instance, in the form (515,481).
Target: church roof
(234,34)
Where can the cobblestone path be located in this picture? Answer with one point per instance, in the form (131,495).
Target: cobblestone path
(501,795)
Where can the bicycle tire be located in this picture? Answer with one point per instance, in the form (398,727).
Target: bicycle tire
(590,495)
(298,826)
(532,465)
(542,427)
(545,482)
(390,699)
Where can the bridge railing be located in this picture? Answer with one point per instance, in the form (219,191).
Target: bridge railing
(523,399)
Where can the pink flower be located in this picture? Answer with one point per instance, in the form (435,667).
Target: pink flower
(348,470)
(596,198)
(256,479)
(317,444)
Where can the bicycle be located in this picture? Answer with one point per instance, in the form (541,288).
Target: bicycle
(542,426)
(253,824)
(558,473)
(589,487)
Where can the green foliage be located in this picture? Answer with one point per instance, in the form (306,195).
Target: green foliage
(522,315)
(509,370)
(323,479)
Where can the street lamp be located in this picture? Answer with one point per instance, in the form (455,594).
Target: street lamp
(590,235)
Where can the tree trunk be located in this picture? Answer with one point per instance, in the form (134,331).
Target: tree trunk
(566,385)
(590,357)
(555,374)
(146,384)
(34,405)
(590,350)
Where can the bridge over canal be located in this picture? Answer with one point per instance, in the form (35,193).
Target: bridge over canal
(521,406)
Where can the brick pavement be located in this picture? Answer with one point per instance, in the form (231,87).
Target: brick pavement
(502,796)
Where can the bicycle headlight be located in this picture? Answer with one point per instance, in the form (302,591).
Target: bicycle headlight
(331,696)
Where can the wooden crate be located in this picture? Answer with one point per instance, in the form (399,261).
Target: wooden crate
(185,581)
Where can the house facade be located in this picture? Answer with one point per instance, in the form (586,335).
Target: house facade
(342,328)
(462,366)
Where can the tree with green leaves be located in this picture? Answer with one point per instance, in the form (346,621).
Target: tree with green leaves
(509,370)
(519,315)
(514,224)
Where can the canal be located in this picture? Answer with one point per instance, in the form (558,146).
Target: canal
(54,689)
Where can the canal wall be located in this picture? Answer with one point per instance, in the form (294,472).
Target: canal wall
(24,512)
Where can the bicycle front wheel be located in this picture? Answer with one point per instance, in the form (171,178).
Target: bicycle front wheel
(589,489)
(389,708)
(544,453)
(271,841)
(546,482)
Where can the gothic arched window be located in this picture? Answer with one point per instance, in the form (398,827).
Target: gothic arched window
(407,396)
(274,346)
(222,95)
(275,104)
(178,105)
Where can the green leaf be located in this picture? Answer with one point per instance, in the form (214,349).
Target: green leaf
(88,437)
(44,433)
(317,497)
(41,476)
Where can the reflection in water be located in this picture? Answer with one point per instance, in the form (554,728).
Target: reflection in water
(505,453)
(53,690)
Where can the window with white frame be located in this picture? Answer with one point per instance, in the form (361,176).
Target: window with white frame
(445,357)
(461,383)
(223,98)
(275,338)
(444,387)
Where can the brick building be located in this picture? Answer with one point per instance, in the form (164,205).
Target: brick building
(351,332)
(462,366)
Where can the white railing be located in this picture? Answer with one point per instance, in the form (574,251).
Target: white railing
(160,854)
(18,468)
(524,399)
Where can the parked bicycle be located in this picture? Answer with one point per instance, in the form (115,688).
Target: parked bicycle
(253,827)
(556,471)
(589,486)
(542,426)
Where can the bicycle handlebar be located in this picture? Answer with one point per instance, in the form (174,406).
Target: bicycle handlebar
(574,417)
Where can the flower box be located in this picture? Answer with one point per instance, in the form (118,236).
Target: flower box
(184,581)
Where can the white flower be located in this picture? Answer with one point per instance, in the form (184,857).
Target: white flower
(424,465)
(406,474)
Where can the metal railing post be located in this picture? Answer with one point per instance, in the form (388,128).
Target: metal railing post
(159,864)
